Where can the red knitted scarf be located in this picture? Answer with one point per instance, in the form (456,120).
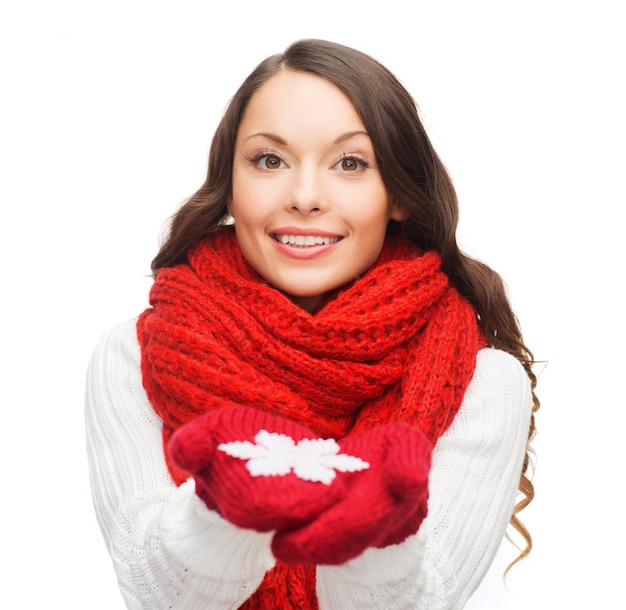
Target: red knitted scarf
(399,344)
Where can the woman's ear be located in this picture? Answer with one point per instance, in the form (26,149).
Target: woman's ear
(397,213)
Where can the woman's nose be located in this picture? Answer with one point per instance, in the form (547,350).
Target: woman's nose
(307,195)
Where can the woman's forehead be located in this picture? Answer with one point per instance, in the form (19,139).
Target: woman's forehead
(302,104)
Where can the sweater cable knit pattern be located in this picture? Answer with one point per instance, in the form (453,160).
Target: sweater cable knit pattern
(399,344)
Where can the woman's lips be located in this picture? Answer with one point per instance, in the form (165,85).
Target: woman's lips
(304,244)
(304,241)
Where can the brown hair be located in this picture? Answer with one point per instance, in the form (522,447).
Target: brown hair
(411,171)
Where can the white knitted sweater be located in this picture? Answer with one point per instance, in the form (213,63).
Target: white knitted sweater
(169,551)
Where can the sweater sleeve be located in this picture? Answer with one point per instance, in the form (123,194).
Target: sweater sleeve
(167,549)
(473,487)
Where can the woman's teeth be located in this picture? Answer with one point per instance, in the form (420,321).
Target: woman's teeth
(304,241)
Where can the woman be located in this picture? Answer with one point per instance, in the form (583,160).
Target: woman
(327,404)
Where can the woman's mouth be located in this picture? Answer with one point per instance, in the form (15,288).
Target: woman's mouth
(305,241)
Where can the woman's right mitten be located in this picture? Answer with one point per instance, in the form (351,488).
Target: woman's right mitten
(259,471)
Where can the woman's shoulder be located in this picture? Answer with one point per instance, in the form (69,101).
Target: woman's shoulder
(120,340)
(497,366)
(500,379)
(114,380)
(116,357)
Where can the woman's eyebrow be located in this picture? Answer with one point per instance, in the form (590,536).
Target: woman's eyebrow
(269,136)
(350,134)
(275,138)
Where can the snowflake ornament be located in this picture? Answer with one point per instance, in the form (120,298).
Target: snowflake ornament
(311,459)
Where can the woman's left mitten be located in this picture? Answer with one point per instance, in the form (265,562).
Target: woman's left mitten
(382,504)
(253,468)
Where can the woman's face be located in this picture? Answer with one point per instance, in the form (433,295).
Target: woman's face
(309,203)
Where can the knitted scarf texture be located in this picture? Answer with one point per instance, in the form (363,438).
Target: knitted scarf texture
(398,344)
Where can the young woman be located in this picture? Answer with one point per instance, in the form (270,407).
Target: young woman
(327,404)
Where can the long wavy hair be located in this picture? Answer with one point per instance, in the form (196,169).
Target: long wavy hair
(412,172)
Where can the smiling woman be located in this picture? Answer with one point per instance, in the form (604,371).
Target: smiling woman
(327,405)
(311,209)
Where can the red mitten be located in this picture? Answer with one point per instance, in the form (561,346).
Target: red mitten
(380,505)
(259,471)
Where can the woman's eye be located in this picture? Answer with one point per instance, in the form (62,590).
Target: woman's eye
(268,161)
(351,164)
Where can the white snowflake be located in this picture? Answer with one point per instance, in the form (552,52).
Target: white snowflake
(277,455)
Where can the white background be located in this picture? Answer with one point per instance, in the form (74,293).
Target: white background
(107,111)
